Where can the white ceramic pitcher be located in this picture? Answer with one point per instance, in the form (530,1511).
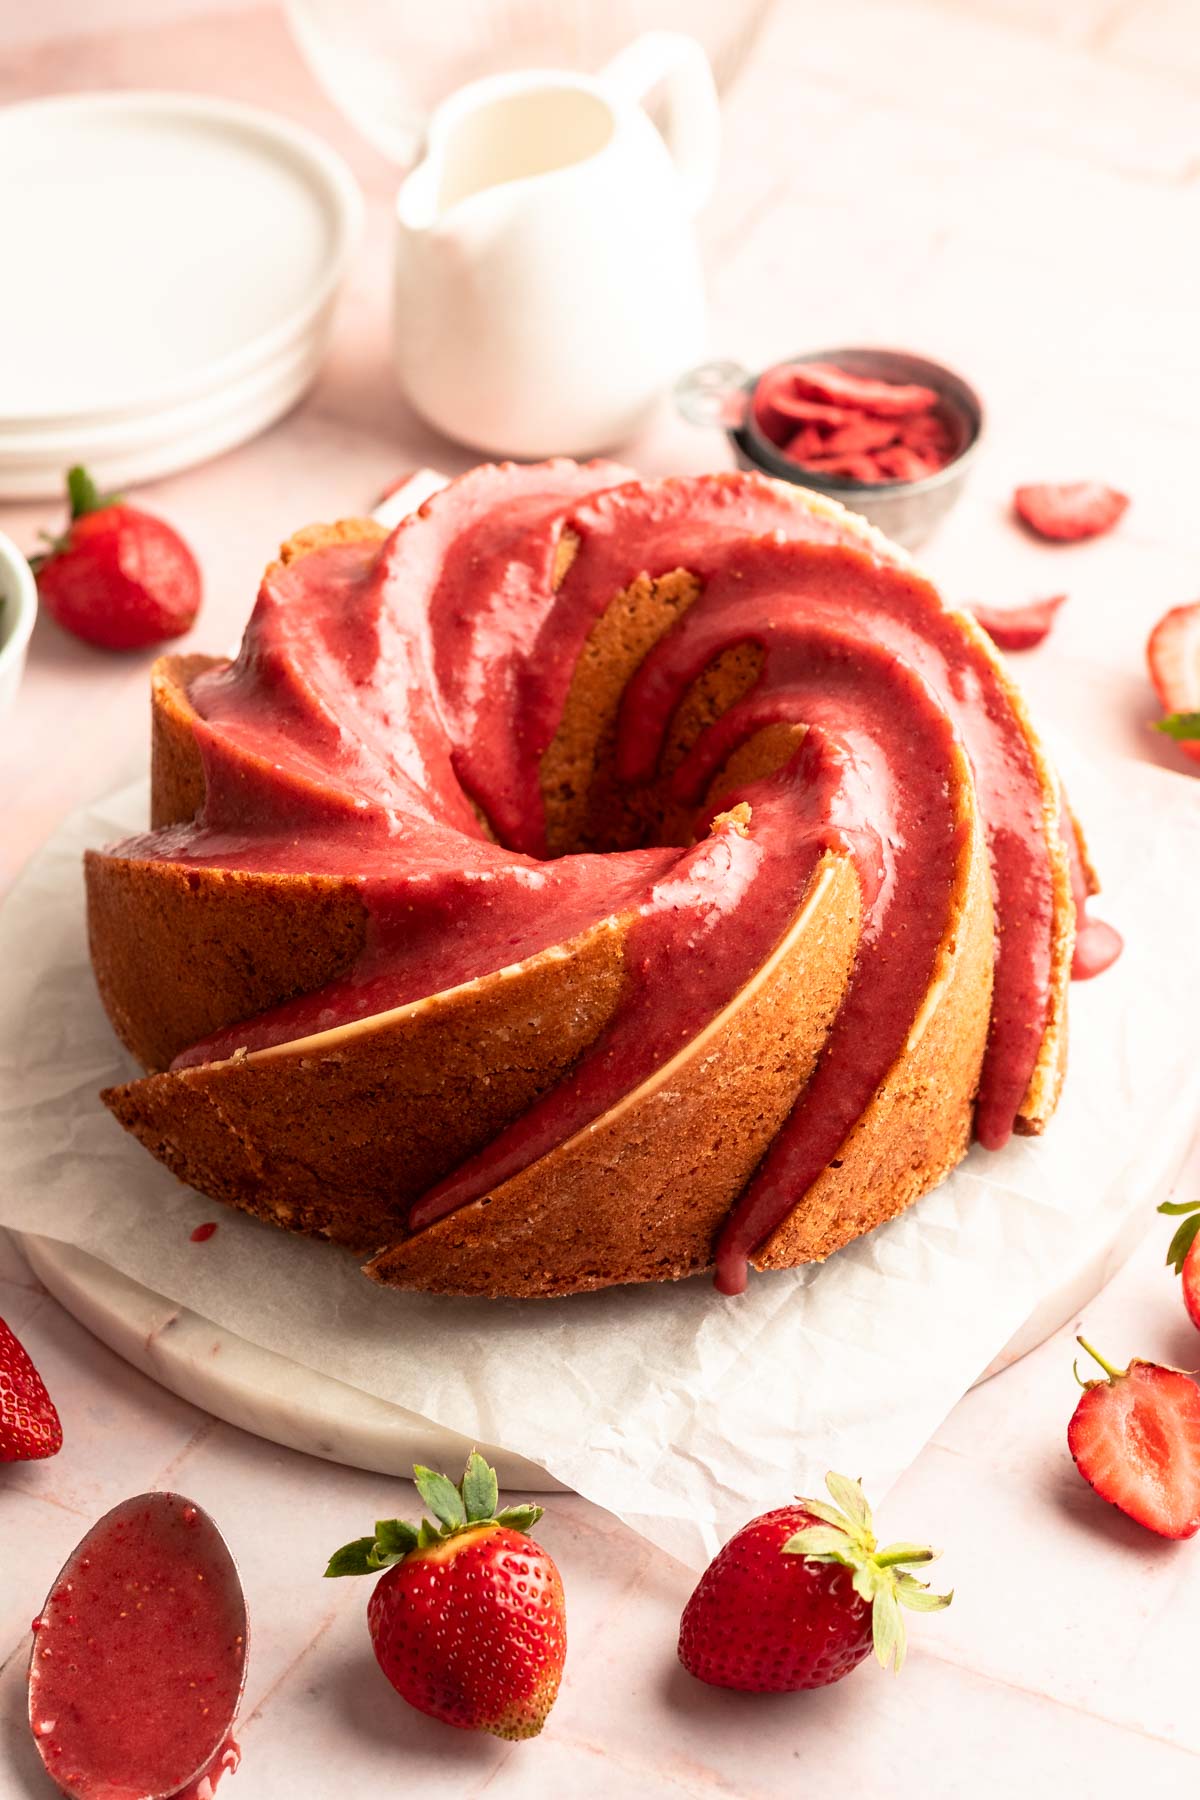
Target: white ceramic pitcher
(548,287)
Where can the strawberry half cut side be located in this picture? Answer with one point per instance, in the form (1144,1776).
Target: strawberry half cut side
(1183,1254)
(1135,1438)
(1173,653)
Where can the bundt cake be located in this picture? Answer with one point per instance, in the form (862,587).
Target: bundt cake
(592,881)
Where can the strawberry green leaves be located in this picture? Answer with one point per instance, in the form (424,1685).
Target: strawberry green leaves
(354,1559)
(479,1491)
(441,1497)
(878,1576)
(1184,728)
(1187,1210)
(455,1510)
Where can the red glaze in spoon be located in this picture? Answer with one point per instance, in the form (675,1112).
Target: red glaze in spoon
(139,1657)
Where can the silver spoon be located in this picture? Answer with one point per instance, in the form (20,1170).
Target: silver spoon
(139,1657)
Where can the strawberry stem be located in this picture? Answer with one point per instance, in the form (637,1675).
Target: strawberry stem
(1113,1374)
(896,1554)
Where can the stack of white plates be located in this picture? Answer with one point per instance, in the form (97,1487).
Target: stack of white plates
(170,269)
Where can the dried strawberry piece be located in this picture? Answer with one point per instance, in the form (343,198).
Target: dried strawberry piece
(1068,511)
(861,434)
(1018,627)
(807,442)
(899,463)
(777,392)
(886,399)
(927,431)
(846,468)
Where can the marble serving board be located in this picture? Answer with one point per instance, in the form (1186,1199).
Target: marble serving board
(302,1409)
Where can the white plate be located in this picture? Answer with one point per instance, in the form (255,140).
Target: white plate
(171,248)
(155,444)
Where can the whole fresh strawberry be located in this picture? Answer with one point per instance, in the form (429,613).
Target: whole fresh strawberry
(117,577)
(800,1596)
(1135,1437)
(1184,1253)
(29,1424)
(468,1621)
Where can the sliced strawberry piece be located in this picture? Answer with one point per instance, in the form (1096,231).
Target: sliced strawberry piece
(1173,654)
(1135,1437)
(1184,1253)
(1018,627)
(1068,511)
(838,387)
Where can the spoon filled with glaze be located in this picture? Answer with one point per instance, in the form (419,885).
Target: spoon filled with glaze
(139,1657)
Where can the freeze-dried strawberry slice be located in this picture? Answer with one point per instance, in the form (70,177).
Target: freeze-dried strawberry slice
(1173,654)
(886,399)
(809,441)
(861,434)
(1067,511)
(1019,627)
(927,432)
(776,392)
(898,462)
(845,468)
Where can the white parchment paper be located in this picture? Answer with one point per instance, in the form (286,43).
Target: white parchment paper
(679,1410)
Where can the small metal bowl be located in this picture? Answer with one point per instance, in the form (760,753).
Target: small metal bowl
(720,393)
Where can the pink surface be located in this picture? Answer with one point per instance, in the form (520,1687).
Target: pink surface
(987,181)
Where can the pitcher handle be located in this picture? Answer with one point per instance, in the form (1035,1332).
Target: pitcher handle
(693,124)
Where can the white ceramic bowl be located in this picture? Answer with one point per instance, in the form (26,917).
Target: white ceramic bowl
(18,610)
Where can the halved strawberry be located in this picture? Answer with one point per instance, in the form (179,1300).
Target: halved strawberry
(29,1422)
(1066,511)
(1135,1437)
(1018,627)
(1183,1254)
(1173,654)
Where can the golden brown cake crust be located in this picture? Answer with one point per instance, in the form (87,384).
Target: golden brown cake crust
(641,1194)
(338,1133)
(181,953)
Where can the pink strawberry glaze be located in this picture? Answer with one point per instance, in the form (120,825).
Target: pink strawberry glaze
(139,1657)
(377,694)
(1097,943)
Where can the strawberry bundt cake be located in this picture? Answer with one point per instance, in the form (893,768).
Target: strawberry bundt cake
(593,881)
